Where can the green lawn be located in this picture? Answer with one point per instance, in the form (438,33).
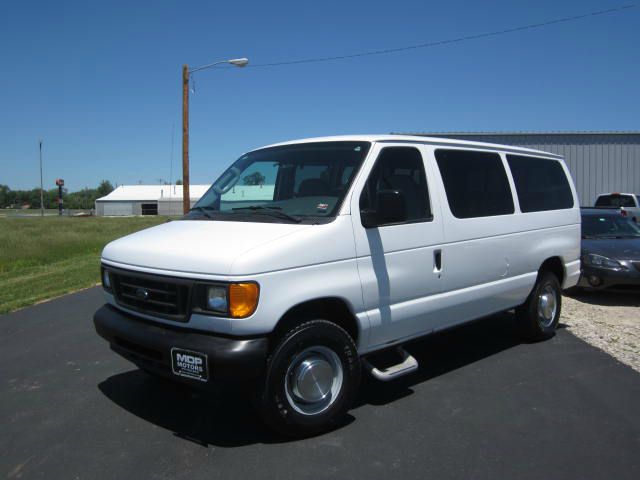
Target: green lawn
(42,258)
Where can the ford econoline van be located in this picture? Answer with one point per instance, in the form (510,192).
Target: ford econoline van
(304,258)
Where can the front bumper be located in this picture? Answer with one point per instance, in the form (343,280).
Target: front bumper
(149,345)
(608,278)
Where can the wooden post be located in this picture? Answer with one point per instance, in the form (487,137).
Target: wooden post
(41,187)
(186,201)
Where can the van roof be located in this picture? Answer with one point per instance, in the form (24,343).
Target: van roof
(420,140)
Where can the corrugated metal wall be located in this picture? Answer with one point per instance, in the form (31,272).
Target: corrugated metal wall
(599,162)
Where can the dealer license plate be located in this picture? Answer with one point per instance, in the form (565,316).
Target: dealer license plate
(187,363)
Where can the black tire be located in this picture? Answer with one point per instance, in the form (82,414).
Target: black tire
(276,402)
(534,324)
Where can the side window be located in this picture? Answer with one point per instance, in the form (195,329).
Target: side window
(399,169)
(475,182)
(541,184)
(256,184)
(347,174)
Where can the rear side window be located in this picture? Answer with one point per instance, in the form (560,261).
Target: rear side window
(475,182)
(541,184)
(615,201)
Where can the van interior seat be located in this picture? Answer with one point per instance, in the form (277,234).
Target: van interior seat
(414,197)
(313,187)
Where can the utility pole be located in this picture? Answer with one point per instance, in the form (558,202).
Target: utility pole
(173,141)
(186,201)
(41,188)
(237,62)
(60,184)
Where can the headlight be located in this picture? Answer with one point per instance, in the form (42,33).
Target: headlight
(236,300)
(602,262)
(217,299)
(106,280)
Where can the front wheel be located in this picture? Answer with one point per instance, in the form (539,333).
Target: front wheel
(311,380)
(540,314)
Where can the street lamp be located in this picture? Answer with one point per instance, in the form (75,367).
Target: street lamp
(186,72)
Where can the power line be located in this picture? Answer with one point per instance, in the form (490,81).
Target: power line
(530,26)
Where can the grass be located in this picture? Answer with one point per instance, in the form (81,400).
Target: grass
(41,258)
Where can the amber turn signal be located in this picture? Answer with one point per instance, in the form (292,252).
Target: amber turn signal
(243,299)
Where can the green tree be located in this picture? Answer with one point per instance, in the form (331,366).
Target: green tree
(105,188)
(51,198)
(5,196)
(256,178)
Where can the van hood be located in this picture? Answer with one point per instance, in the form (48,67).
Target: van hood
(195,246)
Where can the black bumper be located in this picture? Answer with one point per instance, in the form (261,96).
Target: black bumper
(608,278)
(149,346)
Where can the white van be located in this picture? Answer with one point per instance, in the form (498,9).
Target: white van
(306,257)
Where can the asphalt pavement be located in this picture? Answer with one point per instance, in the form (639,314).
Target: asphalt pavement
(482,405)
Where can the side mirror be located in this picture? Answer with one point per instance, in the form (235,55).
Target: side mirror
(391,208)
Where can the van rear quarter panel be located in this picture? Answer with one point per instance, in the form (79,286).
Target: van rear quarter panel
(518,244)
(491,263)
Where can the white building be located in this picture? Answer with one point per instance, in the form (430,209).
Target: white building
(147,200)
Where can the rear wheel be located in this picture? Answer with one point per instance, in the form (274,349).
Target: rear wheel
(311,380)
(540,314)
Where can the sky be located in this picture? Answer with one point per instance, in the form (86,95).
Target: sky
(100,82)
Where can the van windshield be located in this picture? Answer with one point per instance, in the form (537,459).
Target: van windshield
(301,183)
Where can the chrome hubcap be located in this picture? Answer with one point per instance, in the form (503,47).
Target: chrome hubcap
(547,305)
(313,380)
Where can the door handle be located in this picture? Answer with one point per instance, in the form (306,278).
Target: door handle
(437,260)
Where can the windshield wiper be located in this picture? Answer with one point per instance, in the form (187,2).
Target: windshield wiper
(202,210)
(274,211)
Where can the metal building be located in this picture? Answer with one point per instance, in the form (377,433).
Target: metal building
(147,200)
(600,162)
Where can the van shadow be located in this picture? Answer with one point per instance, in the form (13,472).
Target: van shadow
(382,275)
(219,418)
(608,298)
(443,352)
(226,417)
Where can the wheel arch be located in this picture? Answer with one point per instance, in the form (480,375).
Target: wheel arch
(555,266)
(333,309)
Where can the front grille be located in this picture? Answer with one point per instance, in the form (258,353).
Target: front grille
(151,294)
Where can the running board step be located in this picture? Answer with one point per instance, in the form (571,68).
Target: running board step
(407,365)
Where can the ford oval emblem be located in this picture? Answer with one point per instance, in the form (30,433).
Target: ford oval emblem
(142,293)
